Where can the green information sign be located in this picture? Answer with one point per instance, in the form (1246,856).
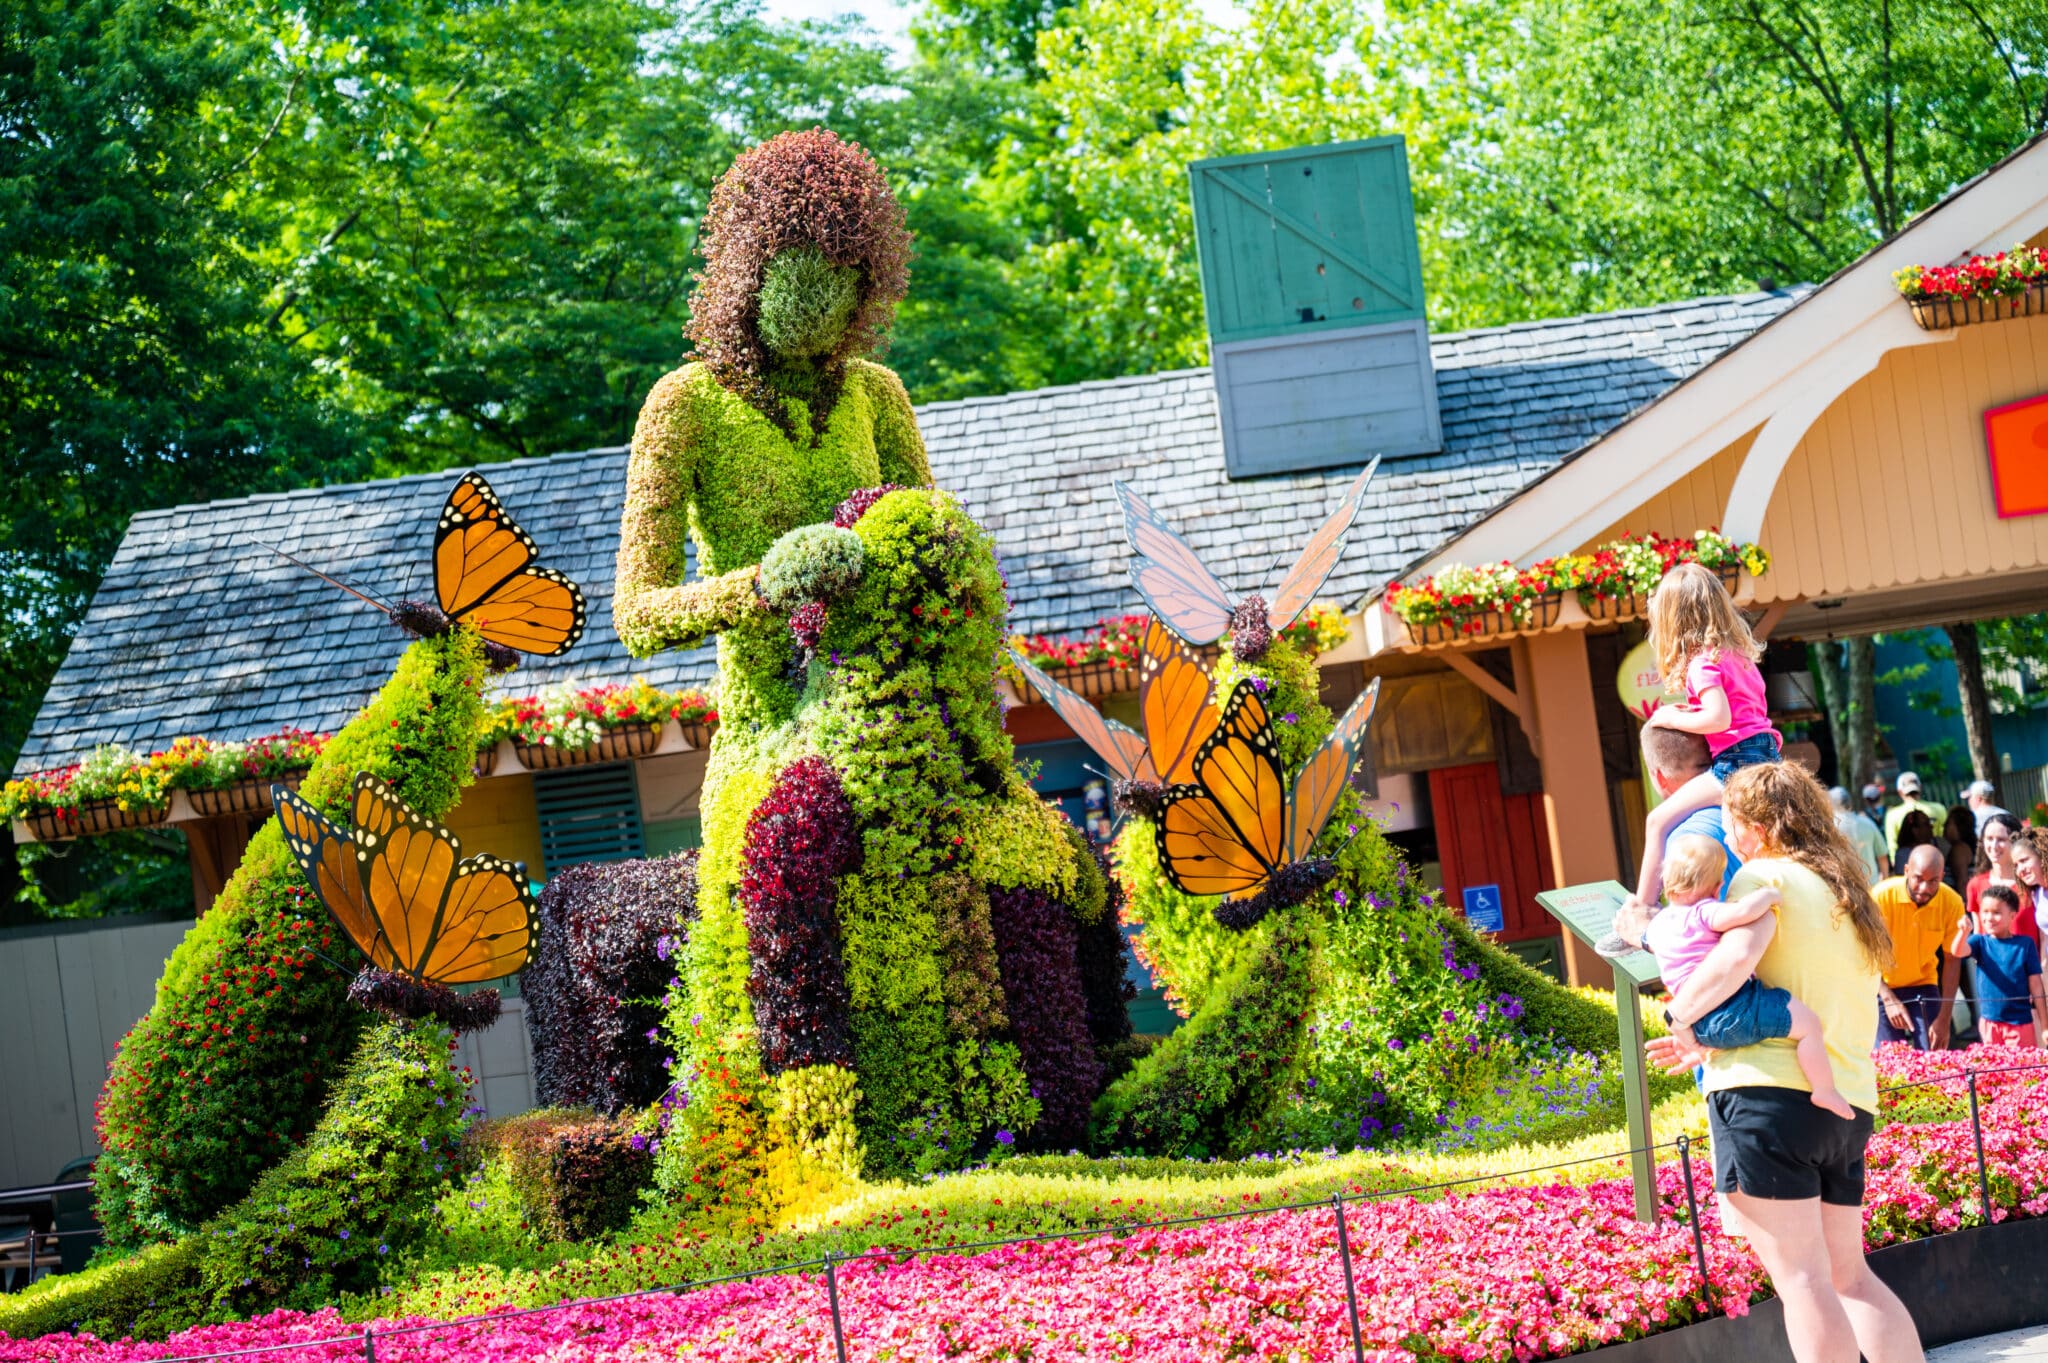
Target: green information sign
(1588,911)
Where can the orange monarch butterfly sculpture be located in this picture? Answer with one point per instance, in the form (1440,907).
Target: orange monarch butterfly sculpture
(1174,698)
(484,577)
(1182,591)
(1239,829)
(423,915)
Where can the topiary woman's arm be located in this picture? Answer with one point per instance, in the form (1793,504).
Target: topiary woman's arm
(652,607)
(897,443)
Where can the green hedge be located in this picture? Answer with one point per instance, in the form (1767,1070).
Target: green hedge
(577,1174)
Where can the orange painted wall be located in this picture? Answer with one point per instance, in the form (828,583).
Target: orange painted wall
(497,816)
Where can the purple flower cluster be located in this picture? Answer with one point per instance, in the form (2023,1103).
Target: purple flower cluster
(593,990)
(1285,888)
(800,840)
(848,513)
(1038,952)
(400,996)
(1251,634)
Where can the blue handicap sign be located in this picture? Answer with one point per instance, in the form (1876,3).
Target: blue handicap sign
(1483,909)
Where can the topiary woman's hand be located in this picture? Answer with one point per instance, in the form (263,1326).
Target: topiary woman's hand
(812,563)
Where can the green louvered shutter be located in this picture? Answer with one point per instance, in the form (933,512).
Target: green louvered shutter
(588,814)
(1312,282)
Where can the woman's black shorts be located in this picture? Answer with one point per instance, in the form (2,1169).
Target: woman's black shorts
(1773,1143)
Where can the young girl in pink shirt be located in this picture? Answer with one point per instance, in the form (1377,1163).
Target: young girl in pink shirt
(1704,645)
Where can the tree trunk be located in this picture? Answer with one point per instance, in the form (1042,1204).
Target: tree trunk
(1976,700)
(1826,660)
(1863,706)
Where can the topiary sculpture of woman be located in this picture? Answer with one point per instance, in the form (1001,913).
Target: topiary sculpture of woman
(876,880)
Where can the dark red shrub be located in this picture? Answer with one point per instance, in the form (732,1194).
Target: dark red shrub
(1037,950)
(800,840)
(848,513)
(609,932)
(1105,960)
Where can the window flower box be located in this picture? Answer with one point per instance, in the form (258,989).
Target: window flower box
(614,745)
(92,817)
(251,795)
(1981,289)
(567,727)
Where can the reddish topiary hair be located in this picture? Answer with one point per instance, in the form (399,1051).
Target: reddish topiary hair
(796,189)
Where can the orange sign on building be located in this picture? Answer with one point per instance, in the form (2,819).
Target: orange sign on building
(2017,435)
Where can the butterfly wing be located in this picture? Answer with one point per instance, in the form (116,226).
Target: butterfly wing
(487,927)
(536,610)
(1319,784)
(1176,585)
(1114,743)
(1226,833)
(328,857)
(1319,560)
(409,864)
(478,547)
(1175,698)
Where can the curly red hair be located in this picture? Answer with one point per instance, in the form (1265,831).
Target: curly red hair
(796,189)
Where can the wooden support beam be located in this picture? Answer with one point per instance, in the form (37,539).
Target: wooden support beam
(1773,613)
(1508,700)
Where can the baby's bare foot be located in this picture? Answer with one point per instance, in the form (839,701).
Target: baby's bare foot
(1834,1102)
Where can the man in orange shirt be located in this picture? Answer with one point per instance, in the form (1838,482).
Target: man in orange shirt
(1923,915)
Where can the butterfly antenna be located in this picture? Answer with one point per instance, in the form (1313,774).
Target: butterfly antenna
(360,596)
(333,964)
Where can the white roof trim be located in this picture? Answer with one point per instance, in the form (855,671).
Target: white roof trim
(1822,343)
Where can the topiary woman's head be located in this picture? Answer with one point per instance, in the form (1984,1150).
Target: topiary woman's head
(805,259)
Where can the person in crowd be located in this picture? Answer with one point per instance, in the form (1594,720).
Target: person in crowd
(2002,833)
(1917,997)
(1790,1175)
(1960,835)
(2030,874)
(1863,835)
(1873,804)
(1673,758)
(1915,830)
(1703,645)
(1908,786)
(1982,797)
(2009,968)
(1686,931)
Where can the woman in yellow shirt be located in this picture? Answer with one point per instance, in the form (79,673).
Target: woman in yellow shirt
(1789,1174)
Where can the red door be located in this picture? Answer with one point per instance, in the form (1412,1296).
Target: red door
(1486,838)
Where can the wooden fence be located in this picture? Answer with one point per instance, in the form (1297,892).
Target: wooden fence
(70,991)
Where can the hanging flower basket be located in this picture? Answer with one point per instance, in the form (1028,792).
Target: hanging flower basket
(617,745)
(698,735)
(93,817)
(1627,606)
(1939,314)
(251,796)
(486,761)
(1989,288)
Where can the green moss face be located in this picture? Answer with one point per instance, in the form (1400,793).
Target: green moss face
(806,303)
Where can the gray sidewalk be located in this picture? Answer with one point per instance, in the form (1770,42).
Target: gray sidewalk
(2007,1348)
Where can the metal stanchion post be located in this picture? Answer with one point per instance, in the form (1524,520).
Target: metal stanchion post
(832,1296)
(1977,1130)
(1350,1285)
(1692,1207)
(369,1346)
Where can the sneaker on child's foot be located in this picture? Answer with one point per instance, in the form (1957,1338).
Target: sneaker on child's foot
(1614,947)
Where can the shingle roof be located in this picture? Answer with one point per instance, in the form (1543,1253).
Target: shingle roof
(197,628)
